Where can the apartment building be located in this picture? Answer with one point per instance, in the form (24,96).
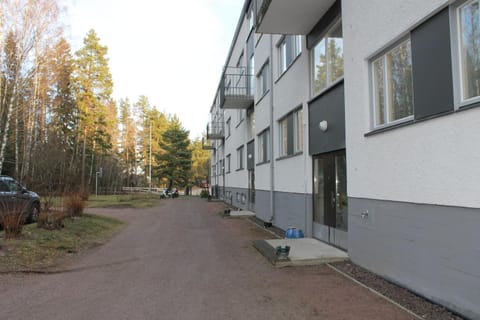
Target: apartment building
(357,121)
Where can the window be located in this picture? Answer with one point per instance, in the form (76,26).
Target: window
(221,168)
(4,187)
(289,48)
(228,163)
(251,17)
(328,59)
(468,16)
(262,81)
(392,85)
(263,146)
(283,136)
(240,115)
(228,127)
(251,73)
(291,133)
(298,131)
(240,158)
(240,60)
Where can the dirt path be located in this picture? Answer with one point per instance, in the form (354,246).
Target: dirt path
(181,260)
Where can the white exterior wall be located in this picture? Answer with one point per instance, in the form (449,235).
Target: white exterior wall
(291,91)
(262,110)
(238,130)
(433,162)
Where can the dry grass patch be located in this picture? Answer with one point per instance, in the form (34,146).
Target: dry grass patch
(38,248)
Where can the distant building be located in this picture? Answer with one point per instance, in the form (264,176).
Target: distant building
(358,122)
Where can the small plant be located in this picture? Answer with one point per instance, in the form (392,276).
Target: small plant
(204,193)
(12,219)
(74,205)
(51,220)
(84,195)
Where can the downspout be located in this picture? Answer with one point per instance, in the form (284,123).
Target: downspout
(272,162)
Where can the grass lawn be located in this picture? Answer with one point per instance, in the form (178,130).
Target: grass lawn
(38,248)
(137,200)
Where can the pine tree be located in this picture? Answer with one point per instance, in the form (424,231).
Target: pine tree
(200,161)
(175,159)
(93,85)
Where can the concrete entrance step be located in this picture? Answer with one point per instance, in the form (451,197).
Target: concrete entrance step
(303,252)
(242,213)
(237,214)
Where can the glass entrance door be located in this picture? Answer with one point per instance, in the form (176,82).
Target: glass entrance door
(330,218)
(251,190)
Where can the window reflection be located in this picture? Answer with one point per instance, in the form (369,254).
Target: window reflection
(328,59)
(470,49)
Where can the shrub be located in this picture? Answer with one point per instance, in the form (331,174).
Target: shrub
(12,223)
(12,218)
(51,220)
(74,205)
(204,194)
(84,195)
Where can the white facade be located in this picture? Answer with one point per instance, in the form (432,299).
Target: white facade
(401,196)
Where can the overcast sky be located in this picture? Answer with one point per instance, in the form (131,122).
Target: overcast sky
(172,52)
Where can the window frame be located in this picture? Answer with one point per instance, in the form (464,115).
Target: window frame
(457,56)
(240,158)
(329,84)
(283,137)
(263,80)
(282,52)
(263,146)
(228,129)
(298,139)
(386,87)
(228,160)
(284,145)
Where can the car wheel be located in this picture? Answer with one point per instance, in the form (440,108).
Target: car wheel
(34,213)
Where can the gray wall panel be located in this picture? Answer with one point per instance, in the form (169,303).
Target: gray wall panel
(291,210)
(262,204)
(330,106)
(432,67)
(233,200)
(432,250)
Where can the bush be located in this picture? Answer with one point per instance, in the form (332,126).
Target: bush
(12,219)
(51,220)
(12,223)
(204,193)
(74,205)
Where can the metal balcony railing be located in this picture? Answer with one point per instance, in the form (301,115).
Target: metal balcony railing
(262,7)
(207,145)
(215,130)
(236,89)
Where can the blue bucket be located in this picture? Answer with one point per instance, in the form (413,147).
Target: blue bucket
(294,233)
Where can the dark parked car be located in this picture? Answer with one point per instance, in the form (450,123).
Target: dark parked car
(14,196)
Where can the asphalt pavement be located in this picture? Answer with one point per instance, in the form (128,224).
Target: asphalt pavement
(182,260)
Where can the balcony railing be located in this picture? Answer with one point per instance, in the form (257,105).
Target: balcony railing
(236,89)
(215,130)
(207,145)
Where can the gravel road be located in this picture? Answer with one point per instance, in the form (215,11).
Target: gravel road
(181,260)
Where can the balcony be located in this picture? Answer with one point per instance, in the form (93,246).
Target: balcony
(207,145)
(290,17)
(215,130)
(236,88)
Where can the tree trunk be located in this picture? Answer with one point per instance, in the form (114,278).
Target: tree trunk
(7,127)
(84,156)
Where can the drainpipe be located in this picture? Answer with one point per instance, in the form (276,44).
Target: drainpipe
(272,162)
